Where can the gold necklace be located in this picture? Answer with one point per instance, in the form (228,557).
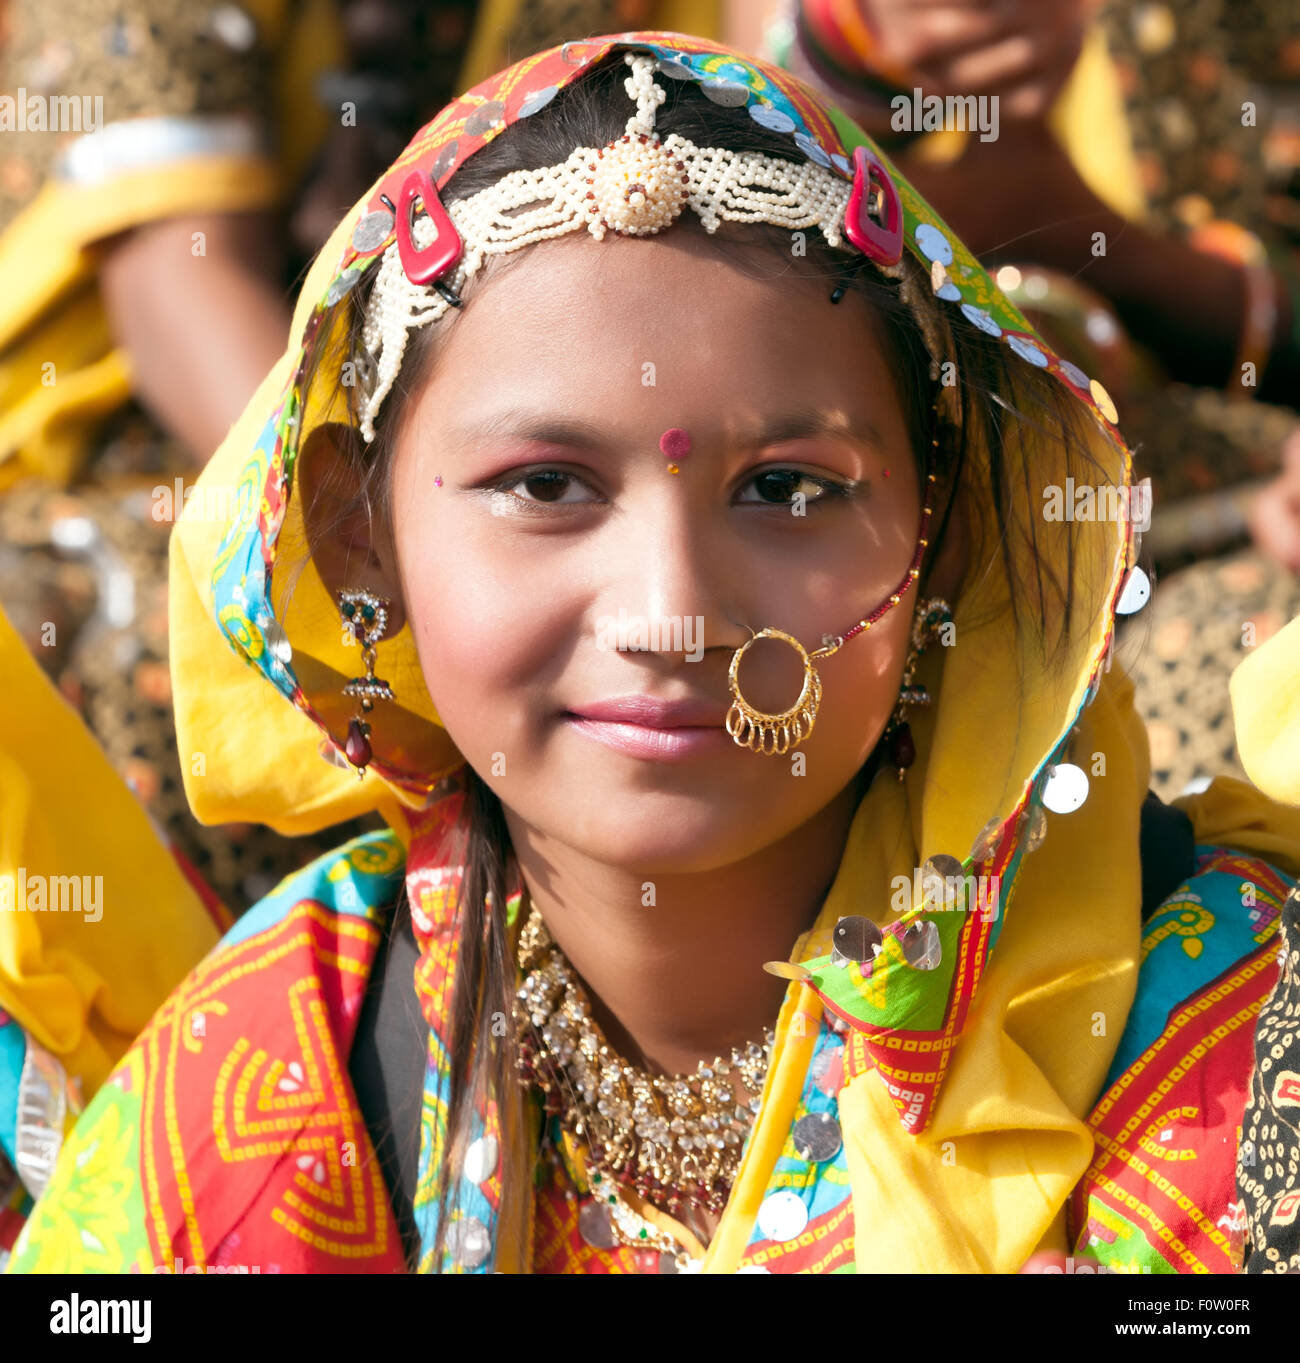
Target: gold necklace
(670,1138)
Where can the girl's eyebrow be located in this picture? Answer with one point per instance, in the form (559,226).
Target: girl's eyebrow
(804,422)
(800,423)
(522,424)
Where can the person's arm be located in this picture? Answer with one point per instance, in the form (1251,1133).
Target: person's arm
(1275,514)
(202,329)
(1021,50)
(1019,198)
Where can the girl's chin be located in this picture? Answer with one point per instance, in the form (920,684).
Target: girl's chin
(663,827)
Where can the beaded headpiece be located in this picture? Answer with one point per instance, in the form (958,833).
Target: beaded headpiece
(636,185)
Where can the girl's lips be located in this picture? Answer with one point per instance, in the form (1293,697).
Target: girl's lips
(679,744)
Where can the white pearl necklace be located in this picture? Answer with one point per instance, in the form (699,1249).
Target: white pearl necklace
(634,186)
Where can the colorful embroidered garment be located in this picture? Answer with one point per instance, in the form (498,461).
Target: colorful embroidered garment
(208,1149)
(1155,1197)
(963,1077)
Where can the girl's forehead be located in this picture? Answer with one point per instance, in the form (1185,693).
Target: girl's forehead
(651,310)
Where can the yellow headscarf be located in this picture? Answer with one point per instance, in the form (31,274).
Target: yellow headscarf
(83,986)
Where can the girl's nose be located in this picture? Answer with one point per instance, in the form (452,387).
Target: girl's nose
(677,567)
(687,589)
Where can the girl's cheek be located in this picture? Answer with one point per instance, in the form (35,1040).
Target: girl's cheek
(483,646)
(867,690)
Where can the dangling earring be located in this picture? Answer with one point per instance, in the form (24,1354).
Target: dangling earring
(365,617)
(930,618)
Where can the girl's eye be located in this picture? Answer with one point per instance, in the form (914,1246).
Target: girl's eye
(546,487)
(777,487)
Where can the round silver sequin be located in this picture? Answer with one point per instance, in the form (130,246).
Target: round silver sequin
(1035,828)
(941,283)
(574,58)
(933,244)
(987,842)
(333,756)
(1135,594)
(817,1137)
(676,70)
(922,949)
(1075,375)
(469,1241)
(372,231)
(1105,403)
(1140,513)
(537,99)
(595,1226)
(980,318)
(484,117)
(481,1159)
(842,162)
(278,642)
(787,970)
(811,150)
(1065,789)
(857,938)
(768,117)
(725,92)
(1028,351)
(782,1216)
(445,159)
(341,287)
(365,368)
(937,877)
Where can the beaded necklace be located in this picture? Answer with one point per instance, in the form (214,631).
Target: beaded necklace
(671,1139)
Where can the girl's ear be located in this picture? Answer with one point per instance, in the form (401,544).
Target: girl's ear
(347,532)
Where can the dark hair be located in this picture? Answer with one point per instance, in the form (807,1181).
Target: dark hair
(989,388)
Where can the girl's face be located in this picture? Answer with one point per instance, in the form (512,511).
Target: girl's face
(540,536)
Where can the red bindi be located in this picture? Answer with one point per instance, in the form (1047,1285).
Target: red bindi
(675,443)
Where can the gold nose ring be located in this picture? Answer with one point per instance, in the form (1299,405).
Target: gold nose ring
(765,733)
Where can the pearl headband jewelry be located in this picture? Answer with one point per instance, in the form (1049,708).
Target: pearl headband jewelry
(635,186)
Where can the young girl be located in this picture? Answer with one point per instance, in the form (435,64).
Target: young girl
(769,861)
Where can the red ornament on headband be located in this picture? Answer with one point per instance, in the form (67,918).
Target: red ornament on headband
(434,260)
(871,181)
